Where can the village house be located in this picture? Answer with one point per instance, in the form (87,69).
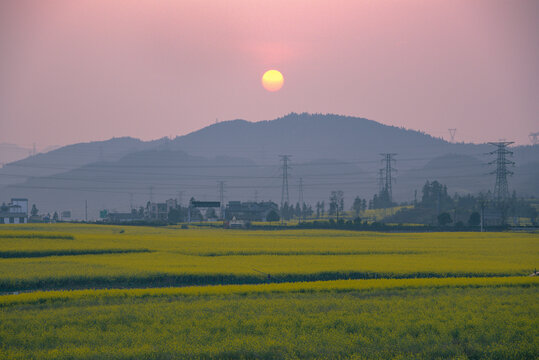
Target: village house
(16,212)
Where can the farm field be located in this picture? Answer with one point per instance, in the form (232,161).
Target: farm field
(67,256)
(318,294)
(458,318)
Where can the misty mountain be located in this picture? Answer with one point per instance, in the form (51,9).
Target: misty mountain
(329,152)
(161,174)
(307,137)
(71,157)
(12,152)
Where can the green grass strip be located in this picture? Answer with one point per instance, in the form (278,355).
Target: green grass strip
(66,252)
(37,236)
(301,287)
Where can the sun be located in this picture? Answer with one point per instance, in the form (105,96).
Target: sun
(272,80)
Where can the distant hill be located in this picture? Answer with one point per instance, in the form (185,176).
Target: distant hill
(329,152)
(314,136)
(12,152)
(71,157)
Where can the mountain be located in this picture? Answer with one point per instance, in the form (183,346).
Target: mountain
(71,157)
(313,136)
(329,152)
(160,174)
(12,152)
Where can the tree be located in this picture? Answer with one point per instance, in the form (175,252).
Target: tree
(55,216)
(323,208)
(34,210)
(287,211)
(318,209)
(297,211)
(444,219)
(357,206)
(273,216)
(435,195)
(475,219)
(336,202)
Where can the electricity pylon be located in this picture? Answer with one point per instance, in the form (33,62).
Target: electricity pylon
(501,189)
(285,198)
(452,134)
(388,160)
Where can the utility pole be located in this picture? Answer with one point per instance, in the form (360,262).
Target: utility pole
(452,134)
(222,198)
(86,210)
(301,198)
(300,192)
(388,161)
(256,195)
(285,199)
(131,201)
(501,189)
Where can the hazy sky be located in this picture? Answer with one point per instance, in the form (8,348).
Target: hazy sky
(81,70)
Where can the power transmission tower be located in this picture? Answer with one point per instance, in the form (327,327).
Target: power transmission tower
(534,138)
(388,161)
(380,181)
(285,199)
(222,198)
(501,189)
(452,134)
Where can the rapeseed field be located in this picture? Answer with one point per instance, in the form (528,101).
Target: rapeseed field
(110,256)
(128,293)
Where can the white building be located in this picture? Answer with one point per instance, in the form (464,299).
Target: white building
(16,212)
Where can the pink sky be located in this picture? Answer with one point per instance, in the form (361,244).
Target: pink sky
(87,70)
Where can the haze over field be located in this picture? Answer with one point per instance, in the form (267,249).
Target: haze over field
(88,70)
(328,152)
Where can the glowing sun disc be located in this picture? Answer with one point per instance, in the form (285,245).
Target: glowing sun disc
(272,80)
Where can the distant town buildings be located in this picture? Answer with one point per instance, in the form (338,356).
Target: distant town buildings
(16,212)
(159,211)
(117,217)
(251,211)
